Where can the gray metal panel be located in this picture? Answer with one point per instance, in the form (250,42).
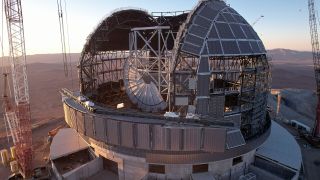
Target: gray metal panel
(255,47)
(176,139)
(224,31)
(203,85)
(214,47)
(217,5)
(202,106)
(89,120)
(229,17)
(198,31)
(203,66)
(143,137)
(230,47)
(221,18)
(202,22)
(192,83)
(192,49)
(237,31)
(216,107)
(73,118)
(213,32)
(127,134)
(236,119)
(194,40)
(240,19)
(100,128)
(192,139)
(159,138)
(262,48)
(113,132)
(208,12)
(245,47)
(182,101)
(235,139)
(248,32)
(232,10)
(214,139)
(80,122)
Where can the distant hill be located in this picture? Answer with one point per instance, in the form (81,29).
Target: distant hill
(49,58)
(290,55)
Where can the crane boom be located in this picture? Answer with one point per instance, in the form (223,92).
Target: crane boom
(257,20)
(19,119)
(316,59)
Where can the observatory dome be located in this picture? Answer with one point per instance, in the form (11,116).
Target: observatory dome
(206,64)
(173,94)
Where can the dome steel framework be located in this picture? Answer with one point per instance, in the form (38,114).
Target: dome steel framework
(208,62)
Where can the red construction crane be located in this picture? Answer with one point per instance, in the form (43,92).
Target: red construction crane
(18,115)
(316,59)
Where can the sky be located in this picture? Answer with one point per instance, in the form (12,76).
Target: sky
(285,23)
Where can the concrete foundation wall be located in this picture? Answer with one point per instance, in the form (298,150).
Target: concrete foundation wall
(135,168)
(85,170)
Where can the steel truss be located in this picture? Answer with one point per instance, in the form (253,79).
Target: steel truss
(148,68)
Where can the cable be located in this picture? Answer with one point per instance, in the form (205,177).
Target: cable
(62,38)
(68,42)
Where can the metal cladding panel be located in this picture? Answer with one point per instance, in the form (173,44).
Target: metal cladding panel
(194,40)
(66,113)
(100,128)
(198,31)
(89,120)
(245,47)
(221,28)
(192,139)
(255,46)
(176,139)
(204,65)
(216,107)
(229,18)
(181,101)
(236,119)
(217,5)
(160,138)
(73,120)
(203,85)
(127,134)
(205,23)
(235,139)
(113,132)
(208,12)
(202,106)
(240,19)
(80,122)
(262,48)
(213,33)
(221,18)
(214,139)
(224,31)
(192,49)
(143,137)
(247,30)
(236,28)
(215,47)
(230,47)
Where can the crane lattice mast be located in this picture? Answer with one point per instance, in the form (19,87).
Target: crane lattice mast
(316,59)
(19,119)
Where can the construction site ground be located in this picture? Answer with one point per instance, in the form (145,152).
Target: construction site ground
(41,146)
